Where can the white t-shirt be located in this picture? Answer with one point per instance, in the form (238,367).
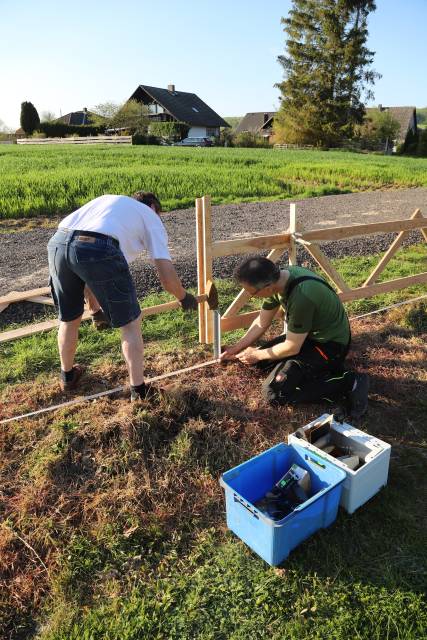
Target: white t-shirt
(136,226)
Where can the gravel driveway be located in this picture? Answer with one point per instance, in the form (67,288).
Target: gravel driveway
(23,261)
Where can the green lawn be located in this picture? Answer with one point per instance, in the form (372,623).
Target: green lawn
(124,516)
(47,180)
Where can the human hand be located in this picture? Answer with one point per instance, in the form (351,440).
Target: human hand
(189,302)
(229,352)
(251,355)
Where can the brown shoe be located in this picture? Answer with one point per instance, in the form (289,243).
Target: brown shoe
(100,321)
(72,384)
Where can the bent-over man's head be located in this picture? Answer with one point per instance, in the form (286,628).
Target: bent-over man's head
(150,199)
(257,274)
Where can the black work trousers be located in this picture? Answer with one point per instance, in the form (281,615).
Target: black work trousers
(315,373)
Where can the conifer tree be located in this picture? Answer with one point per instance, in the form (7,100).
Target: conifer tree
(327,71)
(30,120)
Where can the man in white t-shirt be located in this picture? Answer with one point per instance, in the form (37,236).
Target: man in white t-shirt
(92,248)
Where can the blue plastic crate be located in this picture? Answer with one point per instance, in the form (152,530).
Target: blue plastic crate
(249,482)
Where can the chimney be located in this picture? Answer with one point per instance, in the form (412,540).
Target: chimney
(380,107)
(84,109)
(171,87)
(266,117)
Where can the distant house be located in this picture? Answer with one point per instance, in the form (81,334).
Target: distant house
(405,116)
(78,117)
(167,105)
(260,123)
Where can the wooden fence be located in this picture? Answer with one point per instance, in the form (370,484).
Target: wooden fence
(78,140)
(278,243)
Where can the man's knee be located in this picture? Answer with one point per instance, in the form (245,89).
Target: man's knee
(281,386)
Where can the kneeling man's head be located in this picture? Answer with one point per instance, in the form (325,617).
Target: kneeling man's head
(257,274)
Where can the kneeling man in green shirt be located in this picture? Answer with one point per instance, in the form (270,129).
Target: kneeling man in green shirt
(307,363)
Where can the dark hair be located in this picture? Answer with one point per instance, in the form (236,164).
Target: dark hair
(257,271)
(148,198)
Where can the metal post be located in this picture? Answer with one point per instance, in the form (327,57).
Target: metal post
(216,334)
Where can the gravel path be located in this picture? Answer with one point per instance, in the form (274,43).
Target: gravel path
(23,262)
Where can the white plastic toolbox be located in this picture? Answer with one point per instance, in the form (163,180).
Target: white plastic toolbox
(363,483)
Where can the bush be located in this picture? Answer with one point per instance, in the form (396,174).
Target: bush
(226,138)
(247,139)
(61,130)
(140,138)
(29,117)
(411,143)
(422,144)
(169,130)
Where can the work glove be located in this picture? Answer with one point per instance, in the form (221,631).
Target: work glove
(189,302)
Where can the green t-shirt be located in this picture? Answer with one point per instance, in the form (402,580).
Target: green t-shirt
(312,308)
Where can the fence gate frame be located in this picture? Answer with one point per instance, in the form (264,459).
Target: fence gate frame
(278,243)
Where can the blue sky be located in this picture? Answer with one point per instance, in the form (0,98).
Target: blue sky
(65,56)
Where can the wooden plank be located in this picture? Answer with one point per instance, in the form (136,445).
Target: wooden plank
(41,300)
(389,253)
(383,287)
(207,261)
(424,230)
(352,231)
(168,306)
(238,322)
(200,268)
(325,264)
(292,229)
(18,296)
(31,329)
(250,245)
(243,297)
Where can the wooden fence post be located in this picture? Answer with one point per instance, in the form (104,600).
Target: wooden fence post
(207,261)
(292,229)
(200,268)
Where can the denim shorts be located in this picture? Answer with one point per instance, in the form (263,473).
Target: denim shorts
(77,258)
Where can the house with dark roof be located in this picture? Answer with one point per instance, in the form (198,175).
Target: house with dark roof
(259,123)
(166,105)
(405,116)
(78,117)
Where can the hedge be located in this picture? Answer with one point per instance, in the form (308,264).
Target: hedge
(60,130)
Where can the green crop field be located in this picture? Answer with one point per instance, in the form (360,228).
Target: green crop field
(47,180)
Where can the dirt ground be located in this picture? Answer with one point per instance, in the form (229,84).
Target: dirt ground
(221,409)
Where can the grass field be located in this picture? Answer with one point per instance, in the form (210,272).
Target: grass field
(49,180)
(113,523)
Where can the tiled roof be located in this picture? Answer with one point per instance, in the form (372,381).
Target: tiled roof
(76,118)
(185,107)
(403,115)
(255,121)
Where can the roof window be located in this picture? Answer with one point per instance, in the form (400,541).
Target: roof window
(194,109)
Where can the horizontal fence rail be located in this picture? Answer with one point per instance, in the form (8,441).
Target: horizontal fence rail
(78,140)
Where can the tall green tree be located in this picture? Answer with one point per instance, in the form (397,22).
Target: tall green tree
(327,71)
(30,120)
(132,115)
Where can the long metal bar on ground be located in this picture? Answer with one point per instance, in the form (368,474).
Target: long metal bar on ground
(102,394)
